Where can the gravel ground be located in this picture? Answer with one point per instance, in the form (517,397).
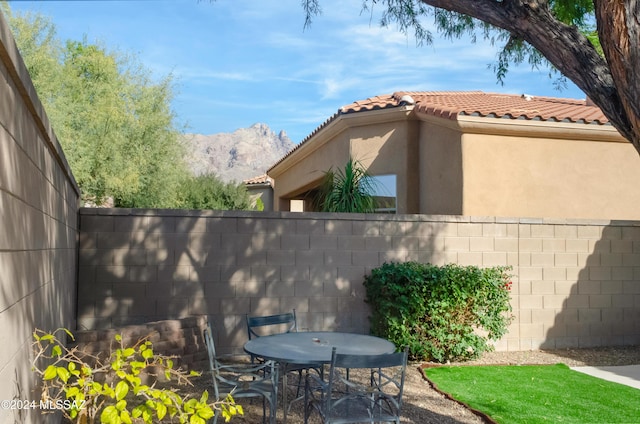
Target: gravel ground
(423,404)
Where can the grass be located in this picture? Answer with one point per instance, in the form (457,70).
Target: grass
(538,394)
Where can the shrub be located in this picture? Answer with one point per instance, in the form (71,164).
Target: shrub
(443,313)
(87,388)
(349,190)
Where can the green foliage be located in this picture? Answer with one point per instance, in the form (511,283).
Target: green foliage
(113,120)
(259,205)
(443,313)
(114,391)
(210,192)
(348,190)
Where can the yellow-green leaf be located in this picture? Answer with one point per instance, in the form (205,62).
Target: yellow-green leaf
(207,413)
(147,353)
(147,416)
(110,415)
(196,420)
(189,406)
(47,337)
(50,373)
(118,337)
(63,374)
(122,388)
(121,405)
(69,333)
(161,410)
(56,351)
(125,417)
(137,411)
(71,392)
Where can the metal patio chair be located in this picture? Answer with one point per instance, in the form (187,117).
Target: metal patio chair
(259,326)
(374,398)
(242,379)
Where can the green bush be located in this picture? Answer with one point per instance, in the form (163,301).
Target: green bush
(443,313)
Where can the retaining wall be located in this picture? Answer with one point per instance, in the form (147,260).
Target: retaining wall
(182,338)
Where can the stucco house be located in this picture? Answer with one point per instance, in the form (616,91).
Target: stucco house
(473,153)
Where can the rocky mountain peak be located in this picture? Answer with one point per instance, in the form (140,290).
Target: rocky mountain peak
(237,156)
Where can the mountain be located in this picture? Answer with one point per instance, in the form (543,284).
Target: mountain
(237,156)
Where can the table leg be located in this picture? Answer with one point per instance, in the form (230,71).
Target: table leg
(285,408)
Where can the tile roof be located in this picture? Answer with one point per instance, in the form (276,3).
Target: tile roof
(260,179)
(452,104)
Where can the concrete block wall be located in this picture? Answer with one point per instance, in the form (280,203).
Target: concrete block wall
(39,203)
(576,283)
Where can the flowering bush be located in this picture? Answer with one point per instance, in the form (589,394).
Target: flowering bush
(442,313)
(88,388)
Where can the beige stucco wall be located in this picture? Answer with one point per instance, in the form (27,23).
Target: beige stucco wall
(477,165)
(384,141)
(510,175)
(38,230)
(390,148)
(440,176)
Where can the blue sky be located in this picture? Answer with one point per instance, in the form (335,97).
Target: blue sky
(240,62)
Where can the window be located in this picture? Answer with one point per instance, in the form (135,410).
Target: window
(384,187)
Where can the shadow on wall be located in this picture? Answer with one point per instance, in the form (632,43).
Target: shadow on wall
(38,267)
(142,266)
(601,308)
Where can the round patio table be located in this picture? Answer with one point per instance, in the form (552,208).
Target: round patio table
(313,348)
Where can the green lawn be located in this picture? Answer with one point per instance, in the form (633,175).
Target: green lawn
(538,394)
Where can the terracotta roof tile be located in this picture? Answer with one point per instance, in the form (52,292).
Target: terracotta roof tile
(451,104)
(261,179)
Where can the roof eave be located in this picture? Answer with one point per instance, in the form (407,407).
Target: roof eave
(526,127)
(339,123)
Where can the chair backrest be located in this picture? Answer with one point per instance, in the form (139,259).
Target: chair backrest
(247,377)
(213,361)
(381,388)
(279,323)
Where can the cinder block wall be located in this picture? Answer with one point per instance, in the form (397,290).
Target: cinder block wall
(38,230)
(576,283)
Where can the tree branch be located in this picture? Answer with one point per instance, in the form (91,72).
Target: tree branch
(564,46)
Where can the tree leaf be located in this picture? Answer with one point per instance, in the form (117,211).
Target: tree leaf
(161,410)
(63,374)
(50,373)
(122,388)
(110,415)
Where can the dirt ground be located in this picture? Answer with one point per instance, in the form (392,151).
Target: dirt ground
(423,404)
